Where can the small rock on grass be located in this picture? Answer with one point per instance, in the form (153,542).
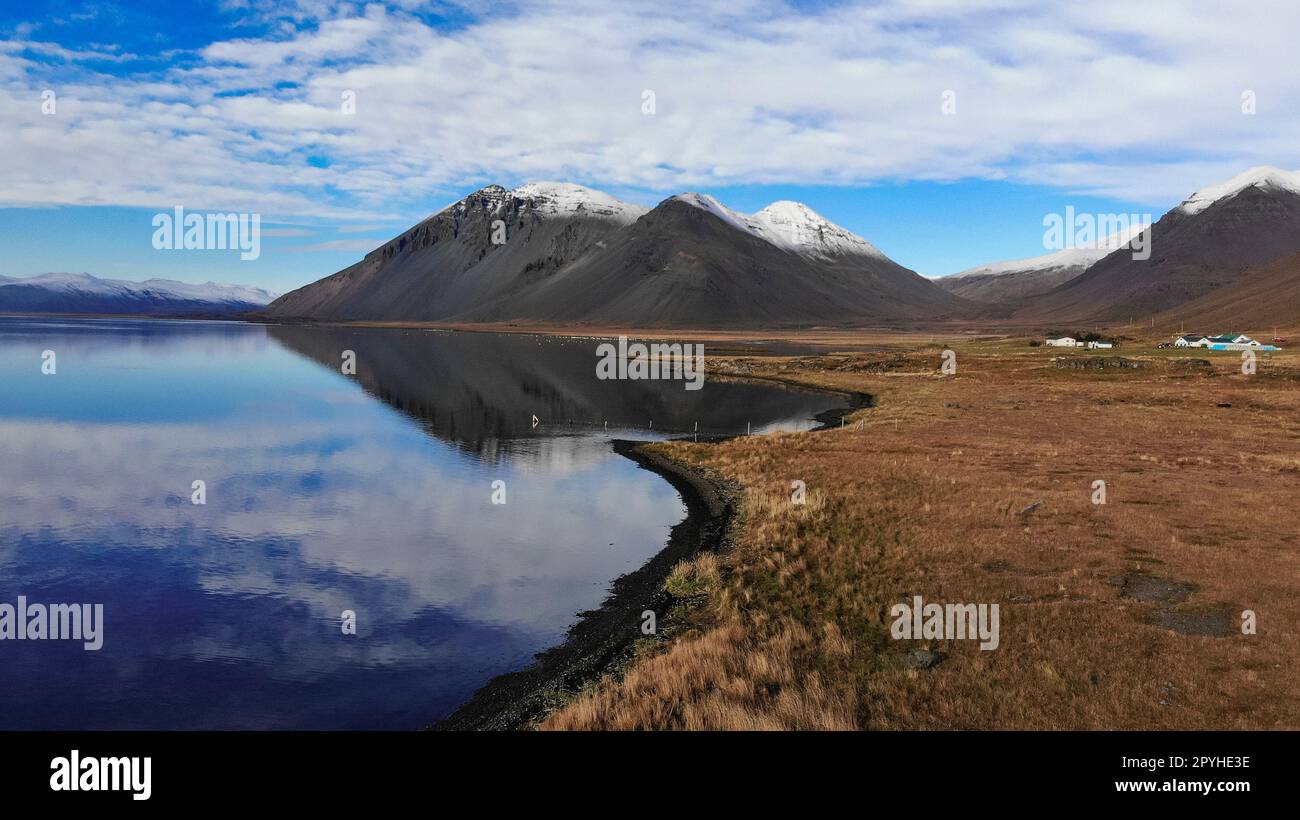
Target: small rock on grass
(921,658)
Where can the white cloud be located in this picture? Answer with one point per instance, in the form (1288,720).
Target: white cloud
(1095,98)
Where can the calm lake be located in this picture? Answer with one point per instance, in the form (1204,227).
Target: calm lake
(325,493)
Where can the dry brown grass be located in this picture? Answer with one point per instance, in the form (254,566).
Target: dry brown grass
(926,499)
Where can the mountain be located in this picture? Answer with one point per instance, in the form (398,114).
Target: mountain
(694,262)
(578,256)
(791,226)
(1203,244)
(448,263)
(83,293)
(1016,280)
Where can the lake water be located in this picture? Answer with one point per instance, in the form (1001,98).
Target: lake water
(325,493)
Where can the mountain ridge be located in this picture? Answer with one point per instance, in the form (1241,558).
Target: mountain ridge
(561,253)
(586,258)
(84,293)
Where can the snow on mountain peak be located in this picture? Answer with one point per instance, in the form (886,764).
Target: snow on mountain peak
(736,219)
(553,198)
(803,230)
(568,198)
(208,291)
(792,226)
(790,210)
(1261,176)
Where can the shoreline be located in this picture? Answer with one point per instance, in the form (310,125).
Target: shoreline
(601,642)
(602,639)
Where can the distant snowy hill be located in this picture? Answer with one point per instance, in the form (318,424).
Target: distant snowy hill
(83,293)
(1004,283)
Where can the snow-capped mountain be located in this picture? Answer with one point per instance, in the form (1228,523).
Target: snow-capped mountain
(452,262)
(792,226)
(576,255)
(1264,177)
(1069,258)
(548,199)
(83,293)
(693,262)
(802,229)
(568,199)
(1003,283)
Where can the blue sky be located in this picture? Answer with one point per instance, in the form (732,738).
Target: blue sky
(240,105)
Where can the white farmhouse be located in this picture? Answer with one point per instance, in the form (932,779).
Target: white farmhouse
(1099,345)
(1193,340)
(1064,341)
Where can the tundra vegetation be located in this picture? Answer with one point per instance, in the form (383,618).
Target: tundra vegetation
(980,487)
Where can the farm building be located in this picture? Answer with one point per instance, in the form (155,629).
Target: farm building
(1223,341)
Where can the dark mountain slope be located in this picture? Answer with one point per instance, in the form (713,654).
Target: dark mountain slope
(448,263)
(1258,301)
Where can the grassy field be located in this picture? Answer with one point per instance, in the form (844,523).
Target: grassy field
(978,487)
